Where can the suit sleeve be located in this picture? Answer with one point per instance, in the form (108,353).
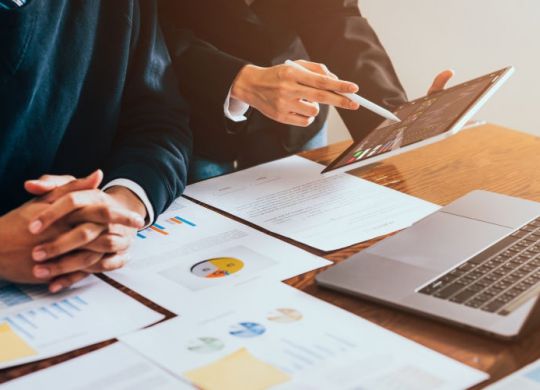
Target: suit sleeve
(335,33)
(153,144)
(205,73)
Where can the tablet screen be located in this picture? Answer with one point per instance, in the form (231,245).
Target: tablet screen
(420,119)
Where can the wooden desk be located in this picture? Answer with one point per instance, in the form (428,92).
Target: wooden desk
(487,157)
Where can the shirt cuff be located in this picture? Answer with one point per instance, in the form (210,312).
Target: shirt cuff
(137,190)
(234,109)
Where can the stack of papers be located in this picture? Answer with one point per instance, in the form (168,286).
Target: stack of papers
(35,324)
(290,197)
(276,336)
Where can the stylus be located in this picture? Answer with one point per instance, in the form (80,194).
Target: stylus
(357,99)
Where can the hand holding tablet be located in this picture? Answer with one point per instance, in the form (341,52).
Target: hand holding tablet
(423,121)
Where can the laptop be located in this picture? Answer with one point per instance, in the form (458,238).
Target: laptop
(424,121)
(474,263)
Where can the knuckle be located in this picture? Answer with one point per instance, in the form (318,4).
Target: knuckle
(72,200)
(84,234)
(285,72)
(90,259)
(344,102)
(319,96)
(304,121)
(109,242)
(105,213)
(321,83)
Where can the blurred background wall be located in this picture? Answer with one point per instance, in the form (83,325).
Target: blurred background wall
(472,37)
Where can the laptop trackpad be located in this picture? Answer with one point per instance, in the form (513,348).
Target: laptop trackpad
(440,241)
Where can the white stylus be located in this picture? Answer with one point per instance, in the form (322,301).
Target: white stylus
(357,99)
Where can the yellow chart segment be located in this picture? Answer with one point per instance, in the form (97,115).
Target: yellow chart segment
(228,264)
(12,346)
(217,267)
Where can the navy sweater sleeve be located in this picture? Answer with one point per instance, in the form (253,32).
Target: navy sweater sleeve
(153,143)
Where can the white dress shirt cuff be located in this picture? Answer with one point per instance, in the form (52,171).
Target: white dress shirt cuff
(235,109)
(137,190)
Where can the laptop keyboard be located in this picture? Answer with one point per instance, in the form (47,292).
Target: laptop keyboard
(499,279)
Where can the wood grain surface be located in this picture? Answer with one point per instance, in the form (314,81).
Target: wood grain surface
(487,157)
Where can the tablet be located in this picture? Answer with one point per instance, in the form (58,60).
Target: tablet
(423,121)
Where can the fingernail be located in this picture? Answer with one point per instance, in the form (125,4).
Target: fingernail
(55,288)
(39,254)
(35,226)
(41,272)
(353,88)
(353,105)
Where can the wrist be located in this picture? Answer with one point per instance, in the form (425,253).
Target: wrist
(128,199)
(243,83)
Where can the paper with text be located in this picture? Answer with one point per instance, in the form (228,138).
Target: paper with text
(291,198)
(35,324)
(193,253)
(116,367)
(314,344)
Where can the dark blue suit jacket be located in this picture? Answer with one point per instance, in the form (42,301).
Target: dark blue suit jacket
(87,84)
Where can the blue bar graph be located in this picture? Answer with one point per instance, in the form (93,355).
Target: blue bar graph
(12,295)
(185,221)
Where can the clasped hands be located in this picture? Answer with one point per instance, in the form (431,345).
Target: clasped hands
(71,229)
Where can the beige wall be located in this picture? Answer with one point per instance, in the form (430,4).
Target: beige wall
(472,37)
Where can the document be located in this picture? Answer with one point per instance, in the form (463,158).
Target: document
(192,252)
(292,341)
(528,378)
(115,367)
(35,324)
(291,198)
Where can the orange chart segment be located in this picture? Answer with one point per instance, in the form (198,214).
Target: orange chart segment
(218,267)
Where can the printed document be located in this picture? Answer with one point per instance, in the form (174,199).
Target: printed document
(35,324)
(192,252)
(291,198)
(115,367)
(275,336)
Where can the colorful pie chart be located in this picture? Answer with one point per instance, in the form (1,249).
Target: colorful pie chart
(205,345)
(218,267)
(247,329)
(285,315)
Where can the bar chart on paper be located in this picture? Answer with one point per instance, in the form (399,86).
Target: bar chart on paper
(35,323)
(170,225)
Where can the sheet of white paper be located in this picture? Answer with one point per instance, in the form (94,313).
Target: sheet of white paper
(528,378)
(193,252)
(116,367)
(291,198)
(319,346)
(35,324)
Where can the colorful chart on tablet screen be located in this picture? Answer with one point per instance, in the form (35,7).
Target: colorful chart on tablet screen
(218,267)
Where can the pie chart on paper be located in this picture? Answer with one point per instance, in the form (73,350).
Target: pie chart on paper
(285,315)
(205,345)
(218,267)
(247,329)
